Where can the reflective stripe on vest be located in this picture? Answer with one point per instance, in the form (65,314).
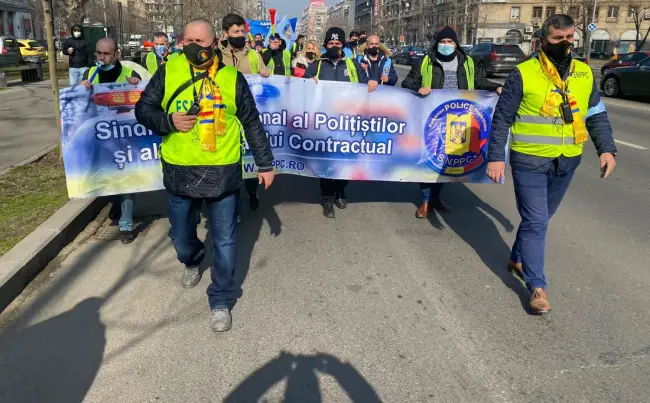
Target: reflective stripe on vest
(185,148)
(352,70)
(426,71)
(124,75)
(544,136)
(286,60)
(254,60)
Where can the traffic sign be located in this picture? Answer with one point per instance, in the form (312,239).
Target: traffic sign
(592,27)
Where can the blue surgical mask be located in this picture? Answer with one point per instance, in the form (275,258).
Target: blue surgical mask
(160,49)
(104,67)
(446,49)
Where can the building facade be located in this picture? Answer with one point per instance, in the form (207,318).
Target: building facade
(16,19)
(313,22)
(341,15)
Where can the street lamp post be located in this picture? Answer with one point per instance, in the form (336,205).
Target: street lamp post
(593,19)
(178,18)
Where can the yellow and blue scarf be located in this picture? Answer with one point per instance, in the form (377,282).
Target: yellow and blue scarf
(212,118)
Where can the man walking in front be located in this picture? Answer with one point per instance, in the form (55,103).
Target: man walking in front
(550,105)
(199,106)
(335,66)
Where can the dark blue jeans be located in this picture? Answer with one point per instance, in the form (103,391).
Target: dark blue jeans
(538,194)
(222,223)
(430,191)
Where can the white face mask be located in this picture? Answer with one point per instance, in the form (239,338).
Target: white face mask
(76,34)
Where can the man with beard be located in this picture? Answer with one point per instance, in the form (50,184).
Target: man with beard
(200,106)
(277,58)
(550,106)
(335,66)
(445,67)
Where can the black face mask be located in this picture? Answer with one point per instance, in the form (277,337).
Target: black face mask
(558,52)
(238,42)
(353,44)
(197,54)
(333,53)
(362,41)
(373,51)
(310,55)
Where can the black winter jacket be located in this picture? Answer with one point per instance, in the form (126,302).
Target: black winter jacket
(414,79)
(82,53)
(205,181)
(334,72)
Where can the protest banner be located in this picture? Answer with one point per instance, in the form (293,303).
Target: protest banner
(330,129)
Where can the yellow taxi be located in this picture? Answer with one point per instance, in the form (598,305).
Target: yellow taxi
(31,50)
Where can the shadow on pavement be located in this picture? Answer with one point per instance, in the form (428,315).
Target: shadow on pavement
(301,375)
(55,360)
(471,220)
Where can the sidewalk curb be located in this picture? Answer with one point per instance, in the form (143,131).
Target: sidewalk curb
(25,260)
(31,159)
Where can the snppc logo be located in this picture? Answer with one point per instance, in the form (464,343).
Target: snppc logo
(456,135)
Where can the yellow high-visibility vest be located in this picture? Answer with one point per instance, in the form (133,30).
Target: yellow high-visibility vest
(184,149)
(543,136)
(124,75)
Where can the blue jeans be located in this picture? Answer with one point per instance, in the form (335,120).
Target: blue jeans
(430,191)
(76,74)
(127,205)
(538,194)
(222,223)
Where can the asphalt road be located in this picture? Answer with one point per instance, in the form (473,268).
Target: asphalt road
(373,306)
(26,116)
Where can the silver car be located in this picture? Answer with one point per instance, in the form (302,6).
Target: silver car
(9,52)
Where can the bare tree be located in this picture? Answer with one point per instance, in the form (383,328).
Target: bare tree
(639,14)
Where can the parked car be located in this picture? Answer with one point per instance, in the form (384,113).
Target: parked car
(598,55)
(31,50)
(409,55)
(9,52)
(627,80)
(466,48)
(490,58)
(627,59)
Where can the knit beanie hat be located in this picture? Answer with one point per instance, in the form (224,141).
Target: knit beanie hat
(334,34)
(447,33)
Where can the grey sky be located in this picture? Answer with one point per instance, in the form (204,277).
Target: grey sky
(292,8)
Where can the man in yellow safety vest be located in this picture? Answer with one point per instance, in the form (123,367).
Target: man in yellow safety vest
(550,106)
(108,69)
(199,106)
(277,58)
(161,52)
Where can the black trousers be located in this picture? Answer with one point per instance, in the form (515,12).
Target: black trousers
(251,185)
(330,189)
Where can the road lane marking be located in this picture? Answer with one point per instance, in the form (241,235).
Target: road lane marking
(625,143)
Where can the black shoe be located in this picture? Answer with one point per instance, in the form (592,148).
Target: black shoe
(328,210)
(115,212)
(127,237)
(253,201)
(341,203)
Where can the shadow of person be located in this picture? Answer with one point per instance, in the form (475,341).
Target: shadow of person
(301,375)
(471,220)
(55,360)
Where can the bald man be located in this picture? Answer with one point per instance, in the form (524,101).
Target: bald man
(201,157)
(377,65)
(108,68)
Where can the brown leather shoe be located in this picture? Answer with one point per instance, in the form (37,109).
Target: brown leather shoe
(517,268)
(423,211)
(539,302)
(440,206)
